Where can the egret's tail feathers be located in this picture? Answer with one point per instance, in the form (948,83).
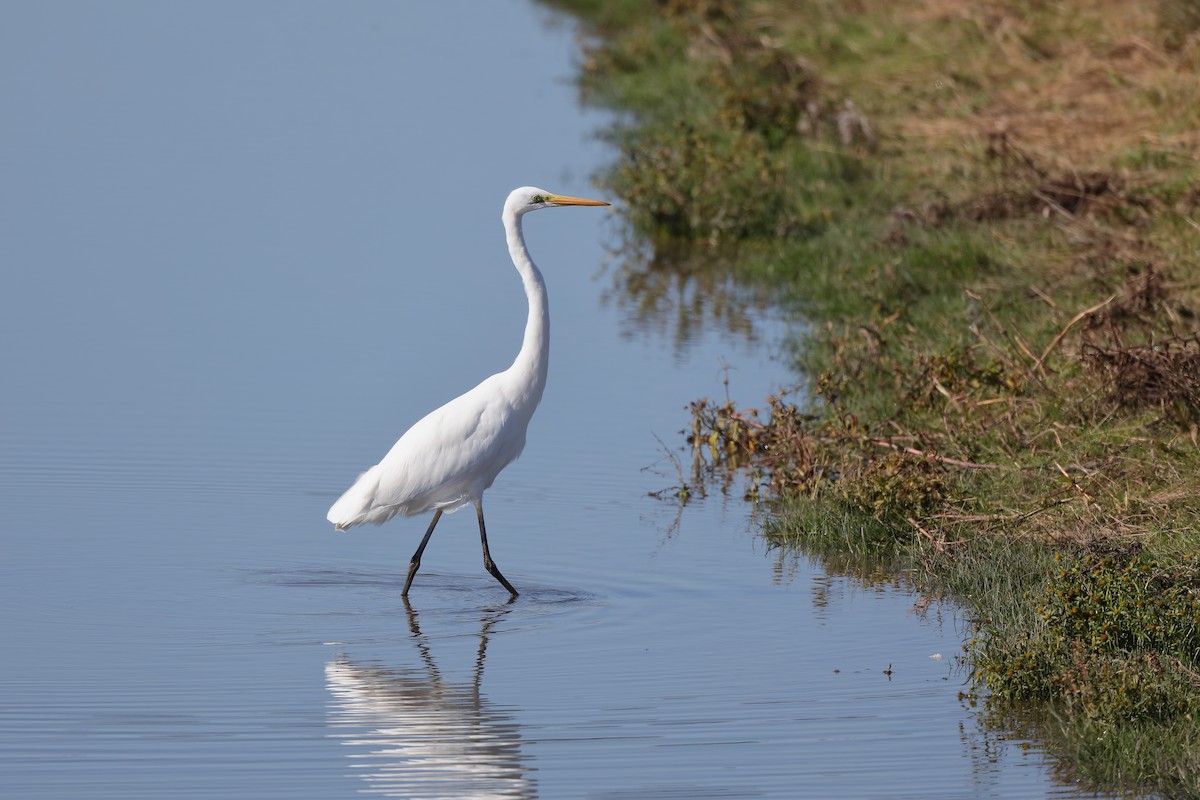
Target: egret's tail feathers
(357,503)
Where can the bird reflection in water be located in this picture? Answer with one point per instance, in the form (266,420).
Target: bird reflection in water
(419,735)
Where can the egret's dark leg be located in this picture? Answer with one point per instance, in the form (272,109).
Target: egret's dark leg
(415,564)
(488,564)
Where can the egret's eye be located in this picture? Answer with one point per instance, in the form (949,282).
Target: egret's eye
(539,198)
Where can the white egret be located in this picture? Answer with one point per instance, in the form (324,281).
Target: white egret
(451,456)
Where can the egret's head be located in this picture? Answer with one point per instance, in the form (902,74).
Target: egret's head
(530,198)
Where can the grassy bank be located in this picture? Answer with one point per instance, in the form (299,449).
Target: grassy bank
(990,214)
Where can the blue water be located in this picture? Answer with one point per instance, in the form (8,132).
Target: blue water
(244,245)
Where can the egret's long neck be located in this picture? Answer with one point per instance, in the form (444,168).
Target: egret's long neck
(533,361)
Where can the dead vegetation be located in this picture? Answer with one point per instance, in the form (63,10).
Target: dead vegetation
(1163,375)
(1075,87)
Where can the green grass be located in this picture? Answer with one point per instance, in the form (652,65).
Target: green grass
(1004,392)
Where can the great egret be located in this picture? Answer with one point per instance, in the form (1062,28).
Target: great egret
(453,454)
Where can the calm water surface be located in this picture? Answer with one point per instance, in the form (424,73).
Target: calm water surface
(244,245)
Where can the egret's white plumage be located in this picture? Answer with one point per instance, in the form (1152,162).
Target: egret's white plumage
(452,455)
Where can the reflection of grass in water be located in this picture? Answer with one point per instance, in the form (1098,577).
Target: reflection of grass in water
(853,545)
(1091,652)
(681,292)
(1002,269)
(1097,754)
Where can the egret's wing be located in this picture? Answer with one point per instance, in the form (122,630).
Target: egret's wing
(444,460)
(434,460)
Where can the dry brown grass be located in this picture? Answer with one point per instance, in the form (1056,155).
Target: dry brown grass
(1076,89)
